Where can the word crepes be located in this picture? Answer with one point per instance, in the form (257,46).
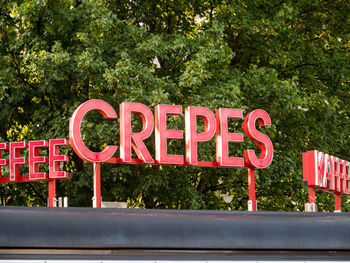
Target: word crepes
(214,125)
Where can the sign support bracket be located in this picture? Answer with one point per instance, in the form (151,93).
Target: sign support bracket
(52,192)
(252,206)
(97,185)
(337,201)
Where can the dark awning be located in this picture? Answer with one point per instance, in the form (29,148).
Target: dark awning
(75,228)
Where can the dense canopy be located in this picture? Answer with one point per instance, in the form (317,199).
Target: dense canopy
(290,58)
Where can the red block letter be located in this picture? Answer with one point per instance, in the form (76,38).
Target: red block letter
(35,160)
(56,158)
(128,139)
(315,168)
(223,137)
(192,137)
(260,139)
(342,177)
(162,134)
(331,176)
(74,130)
(346,174)
(16,160)
(3,162)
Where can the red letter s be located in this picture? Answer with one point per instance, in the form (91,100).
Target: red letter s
(260,139)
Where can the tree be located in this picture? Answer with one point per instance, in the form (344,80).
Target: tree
(289,58)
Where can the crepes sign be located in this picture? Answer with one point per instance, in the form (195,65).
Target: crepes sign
(216,125)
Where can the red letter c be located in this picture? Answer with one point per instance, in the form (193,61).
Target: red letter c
(74,131)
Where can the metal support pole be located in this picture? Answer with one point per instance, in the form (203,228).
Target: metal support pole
(311,205)
(312,196)
(60,204)
(52,193)
(65,201)
(337,199)
(97,186)
(251,188)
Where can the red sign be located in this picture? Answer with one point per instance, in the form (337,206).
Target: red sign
(17,160)
(214,125)
(326,172)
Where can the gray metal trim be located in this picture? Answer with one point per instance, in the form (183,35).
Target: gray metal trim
(74,228)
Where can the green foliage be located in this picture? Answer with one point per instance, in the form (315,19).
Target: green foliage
(290,58)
